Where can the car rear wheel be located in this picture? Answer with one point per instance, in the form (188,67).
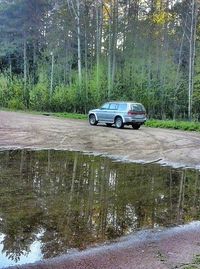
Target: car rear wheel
(119,123)
(92,120)
(136,126)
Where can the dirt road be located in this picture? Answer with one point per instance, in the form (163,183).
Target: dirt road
(178,148)
(162,250)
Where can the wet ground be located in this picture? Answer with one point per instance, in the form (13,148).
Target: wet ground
(104,202)
(56,202)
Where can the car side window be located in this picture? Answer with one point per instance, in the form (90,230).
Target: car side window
(122,107)
(113,106)
(105,106)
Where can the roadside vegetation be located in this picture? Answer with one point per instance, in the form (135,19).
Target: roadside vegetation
(194,265)
(58,56)
(70,115)
(168,124)
(178,125)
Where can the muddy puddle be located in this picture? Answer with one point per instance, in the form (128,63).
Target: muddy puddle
(52,202)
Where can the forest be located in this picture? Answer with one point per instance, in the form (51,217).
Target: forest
(73,55)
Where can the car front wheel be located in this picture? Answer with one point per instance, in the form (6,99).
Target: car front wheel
(92,120)
(119,123)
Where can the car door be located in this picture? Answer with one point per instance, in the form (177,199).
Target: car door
(102,112)
(113,107)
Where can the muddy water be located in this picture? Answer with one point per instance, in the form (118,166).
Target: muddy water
(52,202)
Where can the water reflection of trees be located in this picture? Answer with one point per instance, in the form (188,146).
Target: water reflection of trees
(77,200)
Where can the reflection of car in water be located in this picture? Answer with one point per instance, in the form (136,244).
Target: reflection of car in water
(119,114)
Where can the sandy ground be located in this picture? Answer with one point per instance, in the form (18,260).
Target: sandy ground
(174,248)
(178,148)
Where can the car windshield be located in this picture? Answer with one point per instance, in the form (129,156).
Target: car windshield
(137,107)
(105,106)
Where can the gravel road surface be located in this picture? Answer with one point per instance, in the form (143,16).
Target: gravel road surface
(157,250)
(178,148)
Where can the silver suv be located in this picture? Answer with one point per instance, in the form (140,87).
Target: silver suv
(119,114)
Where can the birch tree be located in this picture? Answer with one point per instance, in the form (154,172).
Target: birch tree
(189,25)
(75,8)
(99,24)
(192,47)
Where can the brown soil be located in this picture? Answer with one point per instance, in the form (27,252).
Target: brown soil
(20,130)
(166,249)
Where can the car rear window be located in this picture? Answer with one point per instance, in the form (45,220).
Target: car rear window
(137,107)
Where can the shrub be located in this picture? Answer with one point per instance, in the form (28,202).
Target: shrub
(62,99)
(39,97)
(16,104)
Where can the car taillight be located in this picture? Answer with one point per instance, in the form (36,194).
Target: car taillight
(130,113)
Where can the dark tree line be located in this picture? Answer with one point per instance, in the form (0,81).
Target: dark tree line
(71,55)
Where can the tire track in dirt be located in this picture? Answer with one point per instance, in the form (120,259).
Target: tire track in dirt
(145,144)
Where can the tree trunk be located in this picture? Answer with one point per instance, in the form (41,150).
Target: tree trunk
(25,65)
(52,74)
(97,44)
(86,57)
(115,26)
(10,66)
(34,61)
(109,54)
(86,72)
(177,74)
(74,172)
(192,45)
(79,44)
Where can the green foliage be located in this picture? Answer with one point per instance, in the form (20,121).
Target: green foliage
(39,97)
(182,125)
(196,94)
(17,90)
(145,63)
(4,90)
(70,116)
(11,92)
(63,99)
(16,104)
(96,89)
(195,264)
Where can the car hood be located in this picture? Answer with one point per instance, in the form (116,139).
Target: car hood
(94,110)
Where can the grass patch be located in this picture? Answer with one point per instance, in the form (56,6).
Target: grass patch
(197,259)
(194,265)
(45,113)
(69,115)
(190,267)
(177,125)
